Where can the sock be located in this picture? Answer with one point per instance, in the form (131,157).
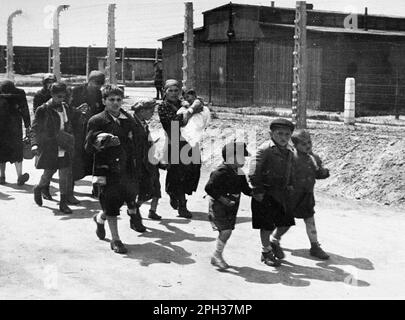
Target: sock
(311,230)
(220,246)
(274,240)
(154,204)
(113,224)
(266,249)
(101,217)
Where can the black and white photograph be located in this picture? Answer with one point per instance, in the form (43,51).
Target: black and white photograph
(209,151)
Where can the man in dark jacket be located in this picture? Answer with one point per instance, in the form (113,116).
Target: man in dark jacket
(52,142)
(119,183)
(89,95)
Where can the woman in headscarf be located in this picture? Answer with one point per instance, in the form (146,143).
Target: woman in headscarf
(13,111)
(183,172)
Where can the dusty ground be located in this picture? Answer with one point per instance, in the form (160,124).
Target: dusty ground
(47,255)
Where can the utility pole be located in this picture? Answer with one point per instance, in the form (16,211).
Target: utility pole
(188,45)
(10,53)
(123,66)
(50,58)
(299,93)
(111,77)
(87,63)
(56,48)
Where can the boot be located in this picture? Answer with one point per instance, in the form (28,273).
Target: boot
(71,199)
(37,195)
(63,207)
(316,251)
(269,259)
(135,221)
(218,260)
(278,251)
(153,215)
(183,211)
(100,231)
(174,203)
(23,179)
(118,247)
(46,193)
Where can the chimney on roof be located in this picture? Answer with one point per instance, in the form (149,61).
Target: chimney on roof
(272,4)
(365,18)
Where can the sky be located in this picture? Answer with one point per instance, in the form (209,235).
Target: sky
(139,23)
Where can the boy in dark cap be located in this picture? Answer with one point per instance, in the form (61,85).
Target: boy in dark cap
(307,167)
(224,187)
(270,177)
(44,94)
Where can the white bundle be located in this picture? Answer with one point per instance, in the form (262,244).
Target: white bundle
(194,129)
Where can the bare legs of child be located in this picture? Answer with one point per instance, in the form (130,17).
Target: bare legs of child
(217,259)
(316,249)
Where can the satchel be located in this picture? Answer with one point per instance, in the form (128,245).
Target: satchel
(27,152)
(66,141)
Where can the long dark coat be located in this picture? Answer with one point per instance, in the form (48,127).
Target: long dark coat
(13,111)
(45,127)
(82,161)
(147,172)
(181,178)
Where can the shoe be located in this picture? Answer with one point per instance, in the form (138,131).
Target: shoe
(174,203)
(269,259)
(218,261)
(2,180)
(135,222)
(23,179)
(183,211)
(316,251)
(100,231)
(63,207)
(46,194)
(37,195)
(118,246)
(278,251)
(72,200)
(153,215)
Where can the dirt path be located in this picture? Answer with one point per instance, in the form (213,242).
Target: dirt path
(44,255)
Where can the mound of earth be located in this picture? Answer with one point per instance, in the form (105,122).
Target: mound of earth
(366,161)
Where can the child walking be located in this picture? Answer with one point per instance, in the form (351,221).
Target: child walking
(224,187)
(307,167)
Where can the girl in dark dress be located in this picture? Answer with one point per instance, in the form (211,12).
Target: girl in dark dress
(13,111)
(183,173)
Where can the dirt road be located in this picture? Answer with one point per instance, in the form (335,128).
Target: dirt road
(45,255)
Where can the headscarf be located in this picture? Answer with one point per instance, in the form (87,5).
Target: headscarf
(172,82)
(144,103)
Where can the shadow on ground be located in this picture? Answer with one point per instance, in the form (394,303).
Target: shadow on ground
(163,249)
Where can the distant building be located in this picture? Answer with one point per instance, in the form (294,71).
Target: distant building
(29,60)
(253,66)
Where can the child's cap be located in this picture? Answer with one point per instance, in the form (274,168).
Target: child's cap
(281,123)
(190,91)
(145,103)
(234,147)
(300,135)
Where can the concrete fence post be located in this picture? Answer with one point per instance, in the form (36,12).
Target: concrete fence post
(349,113)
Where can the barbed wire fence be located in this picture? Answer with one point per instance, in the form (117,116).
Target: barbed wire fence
(378,90)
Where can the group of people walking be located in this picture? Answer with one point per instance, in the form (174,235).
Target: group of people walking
(85,131)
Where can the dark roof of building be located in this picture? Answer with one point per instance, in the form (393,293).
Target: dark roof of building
(180,34)
(293,9)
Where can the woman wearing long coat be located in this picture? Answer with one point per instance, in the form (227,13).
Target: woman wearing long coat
(183,173)
(13,111)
